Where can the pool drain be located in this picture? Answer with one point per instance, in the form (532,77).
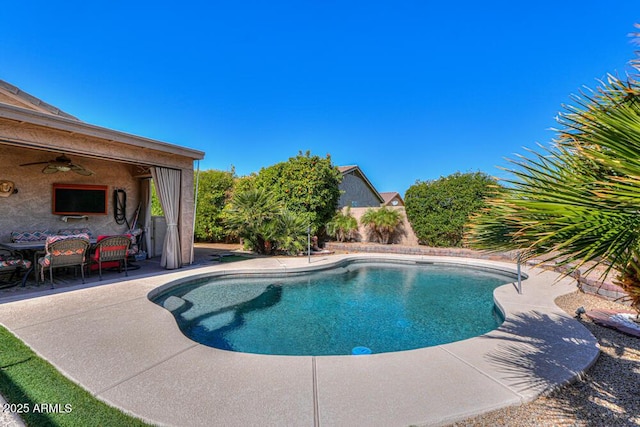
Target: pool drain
(360,350)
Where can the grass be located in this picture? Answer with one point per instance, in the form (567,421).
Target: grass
(233,258)
(45,396)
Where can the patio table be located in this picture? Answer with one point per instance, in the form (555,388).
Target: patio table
(30,250)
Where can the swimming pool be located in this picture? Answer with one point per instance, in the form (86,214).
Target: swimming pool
(357,308)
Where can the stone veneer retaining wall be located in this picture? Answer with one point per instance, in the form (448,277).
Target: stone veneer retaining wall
(587,284)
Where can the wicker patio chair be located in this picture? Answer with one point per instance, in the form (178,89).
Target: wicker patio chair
(64,251)
(112,249)
(12,264)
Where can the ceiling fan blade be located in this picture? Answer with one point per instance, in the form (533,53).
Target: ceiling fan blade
(34,163)
(81,170)
(61,164)
(50,169)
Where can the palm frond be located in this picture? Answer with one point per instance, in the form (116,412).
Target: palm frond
(579,200)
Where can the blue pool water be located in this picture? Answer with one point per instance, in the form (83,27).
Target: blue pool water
(375,307)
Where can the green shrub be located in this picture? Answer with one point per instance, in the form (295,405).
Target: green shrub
(214,191)
(439,210)
(252,215)
(266,226)
(343,226)
(307,186)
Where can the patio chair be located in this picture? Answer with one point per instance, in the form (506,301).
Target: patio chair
(110,250)
(64,251)
(12,264)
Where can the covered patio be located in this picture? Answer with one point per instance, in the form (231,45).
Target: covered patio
(42,146)
(204,255)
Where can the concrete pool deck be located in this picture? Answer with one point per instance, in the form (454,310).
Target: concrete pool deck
(129,352)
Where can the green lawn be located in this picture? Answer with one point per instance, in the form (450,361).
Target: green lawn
(44,396)
(233,258)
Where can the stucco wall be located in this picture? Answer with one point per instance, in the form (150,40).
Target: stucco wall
(404,236)
(30,208)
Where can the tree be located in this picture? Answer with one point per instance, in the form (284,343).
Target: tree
(578,202)
(382,222)
(252,216)
(156,207)
(342,226)
(271,210)
(265,225)
(214,192)
(307,186)
(439,210)
(291,235)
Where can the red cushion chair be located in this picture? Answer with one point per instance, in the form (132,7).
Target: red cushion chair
(110,252)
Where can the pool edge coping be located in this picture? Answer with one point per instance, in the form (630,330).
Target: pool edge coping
(509,308)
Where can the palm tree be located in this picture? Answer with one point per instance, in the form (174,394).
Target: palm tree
(579,201)
(292,234)
(382,222)
(251,216)
(342,226)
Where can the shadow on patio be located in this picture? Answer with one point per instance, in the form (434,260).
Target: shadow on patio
(533,357)
(204,255)
(539,350)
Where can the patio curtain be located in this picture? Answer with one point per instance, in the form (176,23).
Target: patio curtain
(145,200)
(167,182)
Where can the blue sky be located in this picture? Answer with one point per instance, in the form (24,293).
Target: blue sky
(407,90)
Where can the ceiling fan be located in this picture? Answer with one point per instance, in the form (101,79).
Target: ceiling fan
(61,164)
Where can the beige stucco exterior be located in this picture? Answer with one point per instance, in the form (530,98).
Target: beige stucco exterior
(404,235)
(33,131)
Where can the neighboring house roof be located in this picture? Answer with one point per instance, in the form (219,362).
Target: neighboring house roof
(390,196)
(354,169)
(344,169)
(23,108)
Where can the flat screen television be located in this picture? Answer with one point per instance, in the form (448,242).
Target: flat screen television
(73,199)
